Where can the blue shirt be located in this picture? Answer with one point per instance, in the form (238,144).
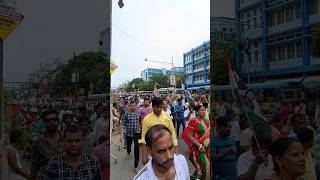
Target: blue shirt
(224,168)
(179,109)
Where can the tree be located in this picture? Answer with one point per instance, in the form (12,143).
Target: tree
(161,80)
(91,67)
(133,84)
(145,86)
(315,41)
(220,53)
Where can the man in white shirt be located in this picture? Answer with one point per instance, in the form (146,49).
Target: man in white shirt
(101,125)
(254,164)
(166,108)
(164,164)
(189,113)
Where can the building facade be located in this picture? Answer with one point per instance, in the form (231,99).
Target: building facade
(177,70)
(196,63)
(274,38)
(104,41)
(148,73)
(221,28)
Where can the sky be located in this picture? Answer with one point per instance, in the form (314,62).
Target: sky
(222,8)
(52,29)
(157,30)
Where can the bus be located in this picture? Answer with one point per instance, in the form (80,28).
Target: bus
(169,91)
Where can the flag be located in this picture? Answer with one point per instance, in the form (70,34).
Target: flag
(120,3)
(187,94)
(113,67)
(155,90)
(247,103)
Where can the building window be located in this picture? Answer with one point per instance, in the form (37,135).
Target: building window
(313,7)
(290,51)
(281,53)
(248,21)
(299,49)
(271,19)
(256,56)
(242,58)
(254,22)
(249,58)
(289,14)
(272,54)
(298,11)
(280,16)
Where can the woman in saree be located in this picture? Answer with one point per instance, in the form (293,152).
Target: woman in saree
(197,137)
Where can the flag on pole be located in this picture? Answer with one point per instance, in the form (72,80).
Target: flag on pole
(187,94)
(155,90)
(247,103)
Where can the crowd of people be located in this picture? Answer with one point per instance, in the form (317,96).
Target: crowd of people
(288,149)
(143,116)
(73,141)
(61,141)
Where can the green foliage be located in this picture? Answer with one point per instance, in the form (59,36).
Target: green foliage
(91,67)
(138,84)
(133,84)
(145,86)
(162,81)
(220,54)
(179,79)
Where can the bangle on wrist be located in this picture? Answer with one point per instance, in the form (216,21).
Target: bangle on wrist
(200,146)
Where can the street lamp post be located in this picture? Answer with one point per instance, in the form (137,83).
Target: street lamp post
(163,62)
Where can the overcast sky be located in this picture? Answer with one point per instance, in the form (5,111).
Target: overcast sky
(52,29)
(222,8)
(159,30)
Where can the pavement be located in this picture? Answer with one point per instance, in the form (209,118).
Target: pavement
(123,169)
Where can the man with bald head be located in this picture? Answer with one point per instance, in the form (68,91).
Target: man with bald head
(164,164)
